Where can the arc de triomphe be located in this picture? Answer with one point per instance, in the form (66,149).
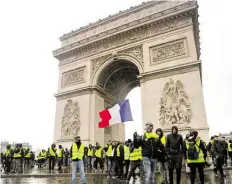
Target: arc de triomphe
(154,45)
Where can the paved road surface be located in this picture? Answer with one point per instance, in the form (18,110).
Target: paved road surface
(51,178)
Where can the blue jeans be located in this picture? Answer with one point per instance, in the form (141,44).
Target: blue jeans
(149,168)
(110,166)
(80,165)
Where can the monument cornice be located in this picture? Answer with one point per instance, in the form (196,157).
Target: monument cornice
(76,49)
(169,71)
(125,38)
(84,91)
(137,13)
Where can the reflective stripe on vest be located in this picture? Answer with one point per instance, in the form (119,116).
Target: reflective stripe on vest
(51,152)
(200,155)
(77,153)
(109,151)
(136,154)
(118,151)
(98,153)
(90,152)
(60,153)
(163,140)
(229,147)
(126,153)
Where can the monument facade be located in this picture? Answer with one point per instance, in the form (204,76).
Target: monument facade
(154,45)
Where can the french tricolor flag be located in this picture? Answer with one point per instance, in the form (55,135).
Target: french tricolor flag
(119,113)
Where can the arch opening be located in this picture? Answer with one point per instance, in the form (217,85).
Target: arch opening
(117,79)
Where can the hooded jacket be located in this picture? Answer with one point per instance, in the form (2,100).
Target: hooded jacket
(175,143)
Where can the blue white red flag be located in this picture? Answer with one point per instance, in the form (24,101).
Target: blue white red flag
(119,113)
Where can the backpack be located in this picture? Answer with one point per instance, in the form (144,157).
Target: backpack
(192,152)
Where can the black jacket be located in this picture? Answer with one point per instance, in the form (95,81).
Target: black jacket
(149,146)
(175,144)
(218,148)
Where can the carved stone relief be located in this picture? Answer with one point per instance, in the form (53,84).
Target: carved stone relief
(136,52)
(73,77)
(125,39)
(70,123)
(168,50)
(174,105)
(96,63)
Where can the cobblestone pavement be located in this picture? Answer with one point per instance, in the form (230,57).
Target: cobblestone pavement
(96,179)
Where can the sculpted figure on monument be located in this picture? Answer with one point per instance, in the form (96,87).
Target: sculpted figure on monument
(174,104)
(70,124)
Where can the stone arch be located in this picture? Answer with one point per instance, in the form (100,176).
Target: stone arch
(113,59)
(116,77)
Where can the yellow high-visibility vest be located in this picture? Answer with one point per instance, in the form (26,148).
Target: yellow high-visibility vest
(98,153)
(28,155)
(118,151)
(8,152)
(126,152)
(136,154)
(110,151)
(42,155)
(90,152)
(201,154)
(77,153)
(229,147)
(18,155)
(60,153)
(151,135)
(51,152)
(163,140)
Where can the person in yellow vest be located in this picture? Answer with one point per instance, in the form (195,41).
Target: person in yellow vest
(105,149)
(77,154)
(99,157)
(209,149)
(90,155)
(52,156)
(27,158)
(195,156)
(18,156)
(42,158)
(8,156)
(126,163)
(118,160)
(162,157)
(135,160)
(230,150)
(148,143)
(110,157)
(60,157)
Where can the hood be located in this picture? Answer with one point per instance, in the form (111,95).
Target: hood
(175,127)
(159,130)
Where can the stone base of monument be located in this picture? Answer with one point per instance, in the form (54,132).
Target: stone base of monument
(185,129)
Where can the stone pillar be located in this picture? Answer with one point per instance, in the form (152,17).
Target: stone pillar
(96,105)
(188,84)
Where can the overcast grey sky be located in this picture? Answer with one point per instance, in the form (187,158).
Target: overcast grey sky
(29,74)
